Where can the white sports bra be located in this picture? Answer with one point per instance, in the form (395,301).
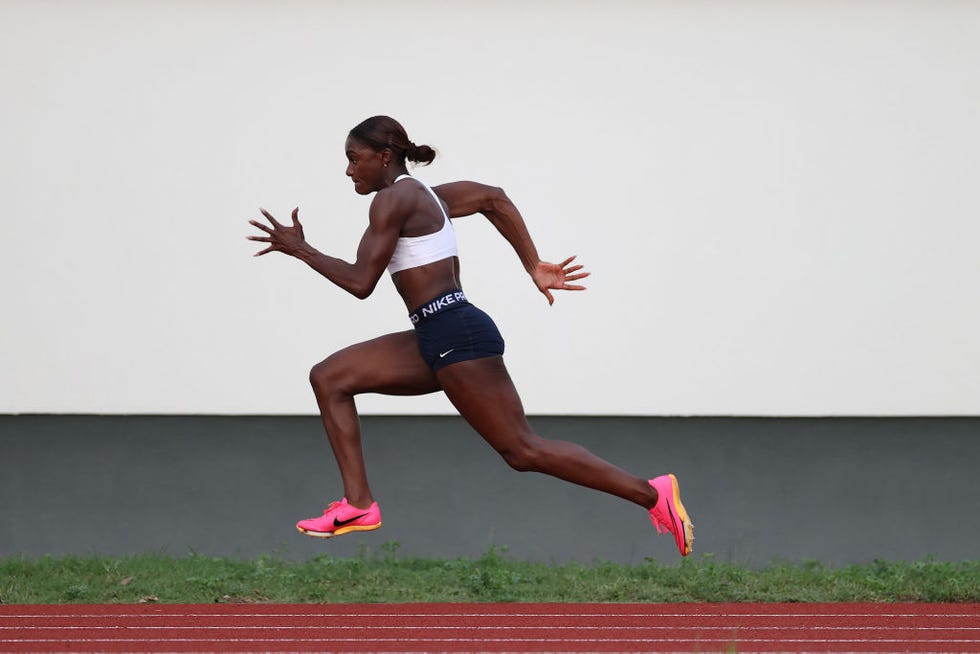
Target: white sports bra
(414,251)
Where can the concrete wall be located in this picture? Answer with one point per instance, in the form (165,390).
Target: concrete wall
(777,199)
(838,490)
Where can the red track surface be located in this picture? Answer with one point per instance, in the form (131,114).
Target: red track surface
(493,627)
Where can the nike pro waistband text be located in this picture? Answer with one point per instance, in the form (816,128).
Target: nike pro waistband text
(440,303)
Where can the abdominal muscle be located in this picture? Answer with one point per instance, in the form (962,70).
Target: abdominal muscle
(420,284)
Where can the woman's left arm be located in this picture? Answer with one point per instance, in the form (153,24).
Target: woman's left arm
(373,253)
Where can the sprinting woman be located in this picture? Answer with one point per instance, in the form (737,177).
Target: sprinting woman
(453,346)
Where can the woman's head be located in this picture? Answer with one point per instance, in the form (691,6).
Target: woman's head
(381,132)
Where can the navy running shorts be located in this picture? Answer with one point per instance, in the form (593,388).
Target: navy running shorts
(450,329)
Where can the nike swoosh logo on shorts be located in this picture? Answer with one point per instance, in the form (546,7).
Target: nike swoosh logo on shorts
(341,523)
(445,353)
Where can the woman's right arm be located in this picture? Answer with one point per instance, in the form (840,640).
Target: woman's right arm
(468,198)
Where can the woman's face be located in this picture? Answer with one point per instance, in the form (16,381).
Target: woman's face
(365,166)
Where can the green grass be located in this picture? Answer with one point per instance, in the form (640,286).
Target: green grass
(385,576)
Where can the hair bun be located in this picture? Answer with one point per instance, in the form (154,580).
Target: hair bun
(380,132)
(422,154)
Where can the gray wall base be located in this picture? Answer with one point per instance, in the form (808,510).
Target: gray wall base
(838,490)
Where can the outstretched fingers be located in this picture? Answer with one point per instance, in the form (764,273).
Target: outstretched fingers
(556,276)
(269,217)
(262,239)
(255,223)
(570,274)
(282,238)
(567,269)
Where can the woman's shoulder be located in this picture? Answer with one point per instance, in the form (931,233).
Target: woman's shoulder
(399,199)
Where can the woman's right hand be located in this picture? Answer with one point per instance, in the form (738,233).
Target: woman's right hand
(288,239)
(555,276)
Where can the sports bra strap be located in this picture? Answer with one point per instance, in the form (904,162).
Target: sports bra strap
(427,188)
(413,251)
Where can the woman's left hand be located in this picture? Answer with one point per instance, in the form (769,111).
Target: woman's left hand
(288,239)
(555,276)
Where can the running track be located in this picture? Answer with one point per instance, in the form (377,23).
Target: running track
(493,627)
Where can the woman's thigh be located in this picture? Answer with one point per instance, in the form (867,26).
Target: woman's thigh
(390,365)
(483,393)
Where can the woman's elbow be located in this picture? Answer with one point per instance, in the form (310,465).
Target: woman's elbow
(494,198)
(364,280)
(500,207)
(360,288)
(362,291)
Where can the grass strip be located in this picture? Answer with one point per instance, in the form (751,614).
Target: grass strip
(384,576)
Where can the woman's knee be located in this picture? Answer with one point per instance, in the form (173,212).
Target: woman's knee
(526,455)
(328,376)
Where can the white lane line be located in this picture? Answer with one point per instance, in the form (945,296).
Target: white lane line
(486,640)
(490,615)
(489,628)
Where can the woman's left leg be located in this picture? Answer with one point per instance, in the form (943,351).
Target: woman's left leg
(483,393)
(389,364)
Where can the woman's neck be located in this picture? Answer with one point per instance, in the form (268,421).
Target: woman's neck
(393,173)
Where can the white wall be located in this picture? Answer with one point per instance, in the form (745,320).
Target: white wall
(778,200)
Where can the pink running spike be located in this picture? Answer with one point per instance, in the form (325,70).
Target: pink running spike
(670,514)
(341,518)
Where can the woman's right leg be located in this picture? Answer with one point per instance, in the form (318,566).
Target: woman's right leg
(390,365)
